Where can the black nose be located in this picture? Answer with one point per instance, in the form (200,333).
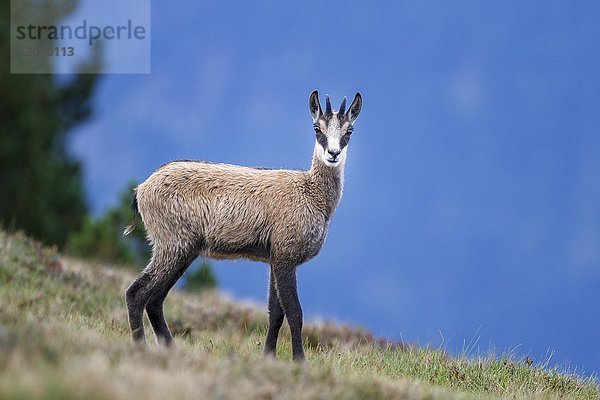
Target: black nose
(334,153)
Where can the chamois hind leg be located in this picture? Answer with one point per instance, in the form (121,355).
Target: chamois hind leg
(137,295)
(150,284)
(285,282)
(275,317)
(173,267)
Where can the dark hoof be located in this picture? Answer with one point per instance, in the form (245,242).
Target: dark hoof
(269,352)
(300,358)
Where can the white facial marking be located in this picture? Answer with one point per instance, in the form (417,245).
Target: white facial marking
(332,155)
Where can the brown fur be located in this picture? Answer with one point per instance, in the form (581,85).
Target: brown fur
(238,212)
(280,217)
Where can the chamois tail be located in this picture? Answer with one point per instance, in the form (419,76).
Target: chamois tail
(136,215)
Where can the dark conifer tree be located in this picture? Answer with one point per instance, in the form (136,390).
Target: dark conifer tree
(41,188)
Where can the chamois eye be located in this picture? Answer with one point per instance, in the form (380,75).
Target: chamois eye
(349,131)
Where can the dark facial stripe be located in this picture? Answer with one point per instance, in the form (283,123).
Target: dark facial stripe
(344,140)
(322,139)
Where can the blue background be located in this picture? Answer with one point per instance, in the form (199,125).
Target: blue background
(471,214)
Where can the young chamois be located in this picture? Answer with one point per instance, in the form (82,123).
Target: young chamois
(280,217)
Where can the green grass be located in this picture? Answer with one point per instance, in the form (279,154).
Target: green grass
(64,334)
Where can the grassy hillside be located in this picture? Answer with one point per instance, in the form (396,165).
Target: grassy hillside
(64,334)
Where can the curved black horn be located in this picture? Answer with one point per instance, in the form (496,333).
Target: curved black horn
(343,107)
(328,105)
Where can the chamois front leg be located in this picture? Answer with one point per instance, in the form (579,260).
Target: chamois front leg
(285,282)
(275,317)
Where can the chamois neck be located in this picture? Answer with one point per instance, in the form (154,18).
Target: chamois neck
(328,182)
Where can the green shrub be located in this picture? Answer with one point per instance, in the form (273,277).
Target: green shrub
(102,238)
(200,278)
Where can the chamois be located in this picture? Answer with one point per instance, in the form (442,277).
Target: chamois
(222,211)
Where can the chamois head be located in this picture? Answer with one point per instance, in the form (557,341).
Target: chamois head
(333,128)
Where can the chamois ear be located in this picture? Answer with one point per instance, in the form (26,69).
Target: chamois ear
(355,107)
(314,106)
